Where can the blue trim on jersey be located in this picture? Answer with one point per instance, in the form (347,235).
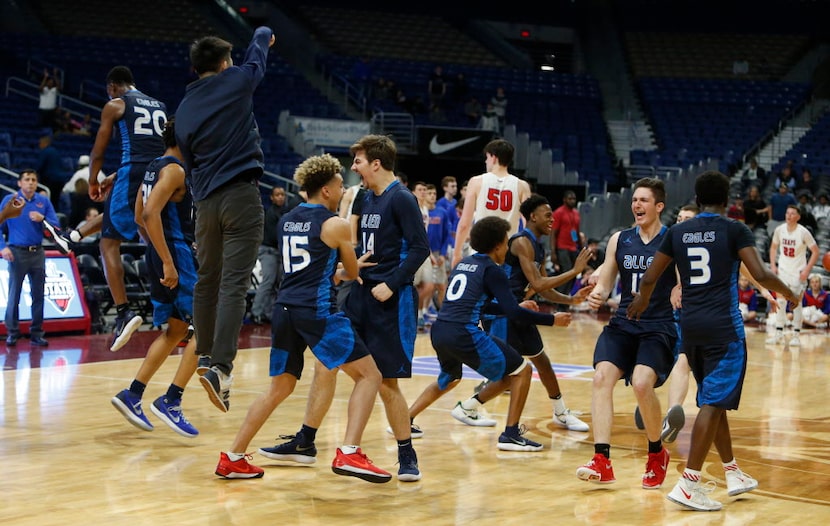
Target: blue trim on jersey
(125,143)
(407,324)
(324,288)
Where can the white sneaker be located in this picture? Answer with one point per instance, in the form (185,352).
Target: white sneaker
(776,339)
(472,417)
(738,482)
(569,421)
(694,495)
(795,342)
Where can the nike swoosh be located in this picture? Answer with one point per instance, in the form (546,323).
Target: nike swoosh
(304,448)
(687,495)
(437,148)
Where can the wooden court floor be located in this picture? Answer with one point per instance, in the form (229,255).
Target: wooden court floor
(69,458)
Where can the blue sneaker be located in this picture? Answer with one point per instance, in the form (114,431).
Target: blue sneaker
(408,462)
(294,450)
(170,412)
(129,405)
(518,442)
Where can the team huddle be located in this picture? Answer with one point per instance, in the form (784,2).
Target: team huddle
(188,186)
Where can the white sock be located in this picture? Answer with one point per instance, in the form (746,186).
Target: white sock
(348,450)
(233,457)
(559,405)
(471,403)
(75,236)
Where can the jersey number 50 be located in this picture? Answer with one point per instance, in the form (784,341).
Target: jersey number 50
(499,200)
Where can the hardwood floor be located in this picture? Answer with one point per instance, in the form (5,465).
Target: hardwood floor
(69,457)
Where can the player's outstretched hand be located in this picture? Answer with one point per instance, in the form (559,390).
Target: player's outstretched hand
(562,319)
(636,307)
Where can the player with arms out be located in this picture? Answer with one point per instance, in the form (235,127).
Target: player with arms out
(708,251)
(639,352)
(140,120)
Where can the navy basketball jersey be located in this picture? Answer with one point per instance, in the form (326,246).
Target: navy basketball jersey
(176,218)
(633,259)
(517,278)
(308,263)
(705,250)
(141,127)
(391,226)
(473,284)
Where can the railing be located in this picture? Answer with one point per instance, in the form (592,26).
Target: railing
(75,107)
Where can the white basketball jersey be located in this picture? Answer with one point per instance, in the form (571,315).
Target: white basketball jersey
(792,248)
(499,196)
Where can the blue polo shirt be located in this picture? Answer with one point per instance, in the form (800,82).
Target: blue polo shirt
(22,231)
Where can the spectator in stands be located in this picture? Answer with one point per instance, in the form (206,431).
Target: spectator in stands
(50,168)
(81,173)
(269,259)
(436,89)
(565,239)
(756,210)
(806,182)
(460,89)
(472,111)
(786,176)
(754,175)
(816,303)
(736,209)
(822,209)
(23,251)
(747,299)
(489,121)
(48,101)
(778,204)
(499,101)
(805,206)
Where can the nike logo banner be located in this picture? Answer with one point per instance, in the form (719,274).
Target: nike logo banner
(455,143)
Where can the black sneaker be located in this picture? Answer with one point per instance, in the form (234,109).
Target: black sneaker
(62,242)
(218,387)
(125,326)
(293,450)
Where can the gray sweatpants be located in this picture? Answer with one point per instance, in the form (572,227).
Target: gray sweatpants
(228,233)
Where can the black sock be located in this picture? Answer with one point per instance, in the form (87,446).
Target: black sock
(137,388)
(655,447)
(512,431)
(174,392)
(121,310)
(605,449)
(309,434)
(404,444)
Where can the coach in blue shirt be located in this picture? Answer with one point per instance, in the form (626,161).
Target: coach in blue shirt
(23,251)
(220,144)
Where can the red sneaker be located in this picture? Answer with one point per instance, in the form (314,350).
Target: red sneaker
(656,467)
(239,469)
(358,465)
(598,470)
